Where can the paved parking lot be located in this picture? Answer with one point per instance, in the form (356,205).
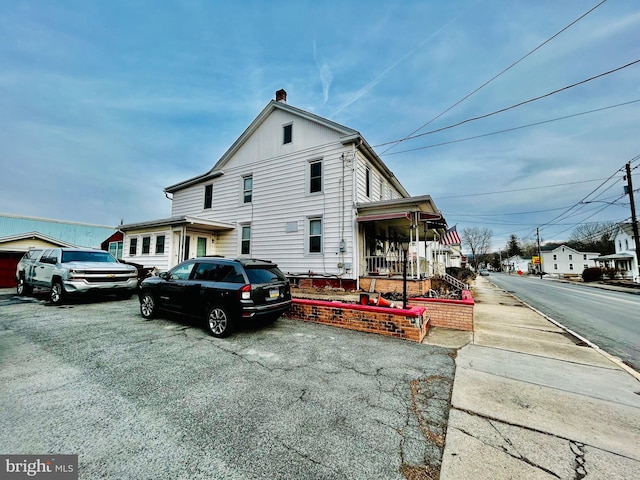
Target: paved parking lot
(163,399)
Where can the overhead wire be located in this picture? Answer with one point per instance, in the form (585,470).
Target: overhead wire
(475,137)
(499,74)
(516,105)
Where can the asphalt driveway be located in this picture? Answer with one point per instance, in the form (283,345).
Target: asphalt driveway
(163,399)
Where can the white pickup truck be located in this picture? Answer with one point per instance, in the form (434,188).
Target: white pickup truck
(69,271)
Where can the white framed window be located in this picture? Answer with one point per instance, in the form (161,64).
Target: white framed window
(245,240)
(367,181)
(315,176)
(133,246)
(571,266)
(115,249)
(160,239)
(146,245)
(287,133)
(314,240)
(208,196)
(247,188)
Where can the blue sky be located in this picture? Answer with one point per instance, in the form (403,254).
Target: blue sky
(103,104)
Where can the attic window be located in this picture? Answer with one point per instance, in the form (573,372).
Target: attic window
(288,133)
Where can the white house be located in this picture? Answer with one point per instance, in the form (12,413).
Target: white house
(625,259)
(516,263)
(565,260)
(300,190)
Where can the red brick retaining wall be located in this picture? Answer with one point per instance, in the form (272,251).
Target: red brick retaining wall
(409,324)
(453,314)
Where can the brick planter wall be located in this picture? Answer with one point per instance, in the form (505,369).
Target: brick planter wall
(452,314)
(410,324)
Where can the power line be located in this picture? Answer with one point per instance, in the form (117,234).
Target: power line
(498,75)
(580,203)
(511,107)
(520,189)
(508,129)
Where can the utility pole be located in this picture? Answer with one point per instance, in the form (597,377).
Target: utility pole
(634,220)
(539,254)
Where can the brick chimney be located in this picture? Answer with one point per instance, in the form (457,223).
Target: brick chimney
(281,96)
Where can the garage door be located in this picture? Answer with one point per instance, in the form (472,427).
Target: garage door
(8,264)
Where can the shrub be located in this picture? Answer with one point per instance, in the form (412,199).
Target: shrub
(462,274)
(592,274)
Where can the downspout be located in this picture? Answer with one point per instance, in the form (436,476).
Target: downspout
(355,228)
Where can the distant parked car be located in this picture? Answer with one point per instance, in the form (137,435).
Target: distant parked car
(484,272)
(222,291)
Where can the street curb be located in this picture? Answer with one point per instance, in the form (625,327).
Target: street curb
(589,343)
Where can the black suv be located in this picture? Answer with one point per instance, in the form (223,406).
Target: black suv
(222,291)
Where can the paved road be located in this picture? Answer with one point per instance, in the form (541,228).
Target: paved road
(140,399)
(609,319)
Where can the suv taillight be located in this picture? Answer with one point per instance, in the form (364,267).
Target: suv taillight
(245,292)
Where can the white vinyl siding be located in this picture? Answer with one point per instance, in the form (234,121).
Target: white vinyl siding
(379,189)
(280,197)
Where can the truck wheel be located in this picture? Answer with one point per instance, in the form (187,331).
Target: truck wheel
(23,288)
(218,322)
(57,293)
(148,306)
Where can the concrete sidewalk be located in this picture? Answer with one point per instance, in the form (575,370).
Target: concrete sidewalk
(531,401)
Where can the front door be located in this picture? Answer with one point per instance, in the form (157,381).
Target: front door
(202,247)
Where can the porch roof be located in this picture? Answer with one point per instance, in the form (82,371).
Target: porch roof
(615,256)
(179,221)
(402,213)
(421,209)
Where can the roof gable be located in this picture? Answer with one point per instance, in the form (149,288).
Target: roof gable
(342,133)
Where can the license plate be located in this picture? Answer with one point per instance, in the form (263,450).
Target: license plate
(274,293)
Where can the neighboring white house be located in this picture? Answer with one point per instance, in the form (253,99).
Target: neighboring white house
(565,260)
(625,259)
(515,264)
(300,190)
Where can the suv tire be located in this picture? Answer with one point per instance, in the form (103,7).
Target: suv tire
(148,306)
(218,321)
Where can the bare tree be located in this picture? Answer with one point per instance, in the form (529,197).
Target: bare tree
(529,248)
(594,237)
(479,242)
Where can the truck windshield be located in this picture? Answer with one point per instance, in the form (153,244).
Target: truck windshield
(87,257)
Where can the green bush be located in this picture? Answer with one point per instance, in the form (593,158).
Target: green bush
(592,274)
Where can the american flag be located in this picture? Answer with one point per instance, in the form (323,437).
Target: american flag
(451,237)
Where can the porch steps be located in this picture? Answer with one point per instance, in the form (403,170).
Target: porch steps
(453,281)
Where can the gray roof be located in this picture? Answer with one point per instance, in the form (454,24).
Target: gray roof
(68,233)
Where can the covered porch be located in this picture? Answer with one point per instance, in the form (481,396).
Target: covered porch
(622,262)
(388,229)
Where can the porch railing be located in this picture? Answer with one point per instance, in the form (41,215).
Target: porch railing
(391,265)
(383,265)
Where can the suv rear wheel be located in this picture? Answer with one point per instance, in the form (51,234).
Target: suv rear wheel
(148,306)
(218,322)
